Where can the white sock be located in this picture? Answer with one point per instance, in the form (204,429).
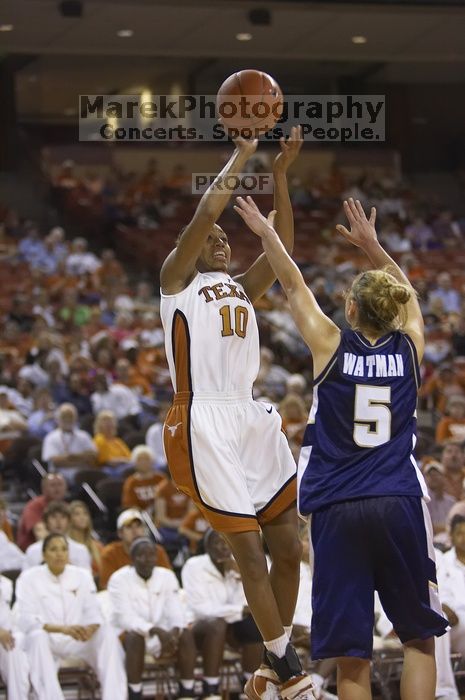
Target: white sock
(278,646)
(318,680)
(288,630)
(136,687)
(187,683)
(211,680)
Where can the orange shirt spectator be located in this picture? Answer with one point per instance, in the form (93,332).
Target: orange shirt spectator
(116,554)
(171,505)
(194,527)
(442,385)
(139,489)
(130,376)
(452,427)
(151,363)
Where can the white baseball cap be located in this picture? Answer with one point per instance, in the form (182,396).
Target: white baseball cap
(127,517)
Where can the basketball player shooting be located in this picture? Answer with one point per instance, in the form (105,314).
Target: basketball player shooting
(228,452)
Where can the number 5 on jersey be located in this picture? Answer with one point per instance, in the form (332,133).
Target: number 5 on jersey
(241,316)
(371,408)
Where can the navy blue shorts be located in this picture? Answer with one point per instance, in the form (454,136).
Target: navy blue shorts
(366,545)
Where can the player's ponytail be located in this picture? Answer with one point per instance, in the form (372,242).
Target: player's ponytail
(380,300)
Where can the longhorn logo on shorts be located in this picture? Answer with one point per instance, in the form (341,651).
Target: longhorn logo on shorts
(172,428)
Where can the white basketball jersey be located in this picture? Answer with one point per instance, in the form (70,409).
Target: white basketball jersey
(211,336)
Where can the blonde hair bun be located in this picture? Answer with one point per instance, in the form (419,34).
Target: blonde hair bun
(380,299)
(400,293)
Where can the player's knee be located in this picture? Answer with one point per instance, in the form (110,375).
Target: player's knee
(37,637)
(289,555)
(424,646)
(186,639)
(134,642)
(186,644)
(217,627)
(351,666)
(253,569)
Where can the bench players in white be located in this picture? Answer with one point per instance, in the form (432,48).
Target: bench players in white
(14,668)
(225,450)
(58,612)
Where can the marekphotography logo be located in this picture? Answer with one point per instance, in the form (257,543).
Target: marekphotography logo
(195,118)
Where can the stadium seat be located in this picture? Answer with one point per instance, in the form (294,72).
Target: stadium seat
(163,673)
(90,476)
(132,438)
(387,668)
(87,423)
(78,674)
(109,491)
(231,673)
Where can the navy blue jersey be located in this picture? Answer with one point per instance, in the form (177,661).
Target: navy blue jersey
(361,431)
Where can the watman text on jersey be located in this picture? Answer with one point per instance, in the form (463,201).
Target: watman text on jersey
(361,431)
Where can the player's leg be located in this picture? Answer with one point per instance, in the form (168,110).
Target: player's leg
(270,473)
(271,482)
(293,683)
(245,636)
(418,678)
(187,654)
(210,636)
(353,678)
(446,686)
(43,665)
(343,597)
(407,586)
(248,552)
(14,669)
(134,646)
(104,653)
(281,536)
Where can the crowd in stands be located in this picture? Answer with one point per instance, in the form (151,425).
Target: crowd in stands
(84,388)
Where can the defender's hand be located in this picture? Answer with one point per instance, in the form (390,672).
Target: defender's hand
(248,210)
(362,230)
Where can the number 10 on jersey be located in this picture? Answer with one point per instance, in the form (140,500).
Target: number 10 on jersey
(238,324)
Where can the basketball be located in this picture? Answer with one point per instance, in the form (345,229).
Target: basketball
(249,102)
